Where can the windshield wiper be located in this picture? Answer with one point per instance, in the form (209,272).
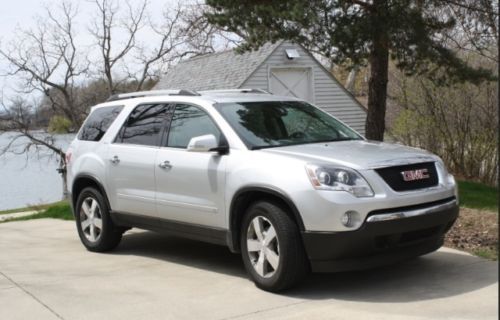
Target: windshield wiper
(299,143)
(265,147)
(333,140)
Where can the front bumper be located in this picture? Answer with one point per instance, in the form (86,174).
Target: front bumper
(386,236)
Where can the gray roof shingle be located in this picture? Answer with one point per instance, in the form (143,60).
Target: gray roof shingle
(221,70)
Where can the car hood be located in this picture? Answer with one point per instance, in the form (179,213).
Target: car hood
(358,154)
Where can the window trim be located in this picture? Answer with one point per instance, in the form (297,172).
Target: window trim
(118,140)
(222,140)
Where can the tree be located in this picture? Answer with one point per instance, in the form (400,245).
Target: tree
(103,30)
(457,122)
(476,27)
(45,57)
(117,34)
(16,119)
(358,32)
(52,59)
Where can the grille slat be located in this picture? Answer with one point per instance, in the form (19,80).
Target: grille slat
(394,178)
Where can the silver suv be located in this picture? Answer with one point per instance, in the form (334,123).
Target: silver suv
(275,178)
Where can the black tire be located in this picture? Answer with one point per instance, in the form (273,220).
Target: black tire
(293,263)
(110,235)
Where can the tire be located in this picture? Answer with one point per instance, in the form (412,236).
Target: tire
(93,222)
(269,272)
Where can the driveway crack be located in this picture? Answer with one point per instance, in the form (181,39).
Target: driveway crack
(32,295)
(264,310)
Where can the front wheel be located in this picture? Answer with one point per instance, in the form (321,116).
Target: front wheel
(95,227)
(272,248)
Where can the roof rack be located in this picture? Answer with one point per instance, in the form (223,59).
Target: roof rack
(139,94)
(181,92)
(242,90)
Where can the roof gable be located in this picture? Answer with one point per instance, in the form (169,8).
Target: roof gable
(221,70)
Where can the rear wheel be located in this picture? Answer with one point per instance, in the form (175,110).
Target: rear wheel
(272,248)
(95,227)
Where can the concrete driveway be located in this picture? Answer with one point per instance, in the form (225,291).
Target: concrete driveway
(45,273)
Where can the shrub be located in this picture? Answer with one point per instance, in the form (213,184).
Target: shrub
(458,122)
(59,124)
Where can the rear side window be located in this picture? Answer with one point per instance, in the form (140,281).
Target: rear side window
(98,122)
(145,125)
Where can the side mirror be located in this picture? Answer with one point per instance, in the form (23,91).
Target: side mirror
(206,143)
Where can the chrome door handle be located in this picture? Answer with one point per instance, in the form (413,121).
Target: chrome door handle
(114,160)
(165,165)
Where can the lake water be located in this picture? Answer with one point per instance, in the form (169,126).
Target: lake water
(29,179)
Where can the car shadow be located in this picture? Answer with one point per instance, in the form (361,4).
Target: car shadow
(192,253)
(438,275)
(441,274)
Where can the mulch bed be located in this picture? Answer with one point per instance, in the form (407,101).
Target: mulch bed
(475,231)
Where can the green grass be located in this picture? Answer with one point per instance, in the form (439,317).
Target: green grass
(477,195)
(59,210)
(40,207)
(487,253)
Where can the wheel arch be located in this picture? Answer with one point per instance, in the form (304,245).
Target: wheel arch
(83,181)
(247,195)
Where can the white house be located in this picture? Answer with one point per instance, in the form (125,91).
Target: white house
(282,68)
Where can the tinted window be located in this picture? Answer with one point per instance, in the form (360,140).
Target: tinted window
(144,125)
(98,123)
(188,122)
(281,123)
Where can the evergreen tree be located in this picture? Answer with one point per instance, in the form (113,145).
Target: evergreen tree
(357,32)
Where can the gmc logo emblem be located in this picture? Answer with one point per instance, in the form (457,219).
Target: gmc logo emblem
(412,175)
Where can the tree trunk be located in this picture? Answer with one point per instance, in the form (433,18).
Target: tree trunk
(351,79)
(109,78)
(377,86)
(63,172)
(65,191)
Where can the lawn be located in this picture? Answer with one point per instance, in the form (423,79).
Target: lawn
(58,210)
(40,207)
(478,196)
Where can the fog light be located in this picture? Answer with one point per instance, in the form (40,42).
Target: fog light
(349,219)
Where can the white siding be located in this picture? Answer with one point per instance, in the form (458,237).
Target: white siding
(328,93)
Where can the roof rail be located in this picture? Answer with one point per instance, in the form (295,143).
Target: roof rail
(242,90)
(140,94)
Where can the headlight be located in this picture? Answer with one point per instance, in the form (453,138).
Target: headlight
(338,179)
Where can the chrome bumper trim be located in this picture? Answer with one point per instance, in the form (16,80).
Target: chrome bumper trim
(411,213)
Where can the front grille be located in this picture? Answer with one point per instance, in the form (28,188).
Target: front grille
(394,177)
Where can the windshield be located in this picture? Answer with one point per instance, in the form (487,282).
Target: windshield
(282,123)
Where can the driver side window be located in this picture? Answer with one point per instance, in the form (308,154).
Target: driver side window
(189,122)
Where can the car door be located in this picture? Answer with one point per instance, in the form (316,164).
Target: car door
(190,185)
(131,171)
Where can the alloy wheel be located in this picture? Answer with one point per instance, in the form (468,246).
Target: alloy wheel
(263,246)
(91,219)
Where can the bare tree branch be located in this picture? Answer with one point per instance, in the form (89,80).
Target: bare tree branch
(103,30)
